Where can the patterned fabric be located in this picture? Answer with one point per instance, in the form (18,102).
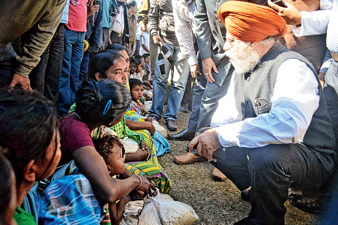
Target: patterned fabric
(70,200)
(148,168)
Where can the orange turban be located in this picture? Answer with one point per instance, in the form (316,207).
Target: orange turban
(251,22)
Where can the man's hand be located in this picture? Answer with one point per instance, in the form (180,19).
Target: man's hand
(92,8)
(23,82)
(157,39)
(207,143)
(321,77)
(195,70)
(290,14)
(141,28)
(208,66)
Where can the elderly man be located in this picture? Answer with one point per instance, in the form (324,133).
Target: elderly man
(276,132)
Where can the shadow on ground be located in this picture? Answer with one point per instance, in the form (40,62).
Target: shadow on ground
(214,202)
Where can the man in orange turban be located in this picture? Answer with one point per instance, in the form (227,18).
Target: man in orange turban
(272,130)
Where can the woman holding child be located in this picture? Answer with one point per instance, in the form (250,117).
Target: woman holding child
(112,65)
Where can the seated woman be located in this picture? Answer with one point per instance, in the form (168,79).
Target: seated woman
(98,103)
(7,191)
(110,64)
(29,130)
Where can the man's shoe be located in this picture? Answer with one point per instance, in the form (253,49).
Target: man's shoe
(217,175)
(184,109)
(188,158)
(184,135)
(245,195)
(171,125)
(311,205)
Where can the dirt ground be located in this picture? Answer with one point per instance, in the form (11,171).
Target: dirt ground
(214,202)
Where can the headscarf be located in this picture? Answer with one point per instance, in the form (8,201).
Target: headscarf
(251,22)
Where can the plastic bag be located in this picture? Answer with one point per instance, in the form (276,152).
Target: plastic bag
(169,213)
(149,215)
(160,129)
(130,145)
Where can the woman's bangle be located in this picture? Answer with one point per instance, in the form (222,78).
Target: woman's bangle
(140,181)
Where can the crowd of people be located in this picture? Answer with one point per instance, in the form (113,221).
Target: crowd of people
(83,85)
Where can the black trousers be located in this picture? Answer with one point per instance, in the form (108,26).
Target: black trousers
(45,76)
(270,171)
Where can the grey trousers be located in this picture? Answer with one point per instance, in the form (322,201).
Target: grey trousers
(270,171)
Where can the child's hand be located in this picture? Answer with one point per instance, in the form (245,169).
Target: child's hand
(149,119)
(125,200)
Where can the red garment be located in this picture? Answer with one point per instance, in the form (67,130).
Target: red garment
(74,134)
(77,15)
(251,22)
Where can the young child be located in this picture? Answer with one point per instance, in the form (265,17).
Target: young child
(110,148)
(136,90)
(136,65)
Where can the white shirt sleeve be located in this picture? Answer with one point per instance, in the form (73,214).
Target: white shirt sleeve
(315,22)
(226,111)
(183,17)
(294,101)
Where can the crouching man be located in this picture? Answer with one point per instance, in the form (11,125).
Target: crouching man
(272,130)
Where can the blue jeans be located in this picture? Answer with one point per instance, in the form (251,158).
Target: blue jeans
(72,57)
(179,81)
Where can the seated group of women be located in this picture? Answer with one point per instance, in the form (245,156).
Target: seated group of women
(89,137)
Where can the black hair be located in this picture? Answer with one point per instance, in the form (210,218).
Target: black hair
(138,61)
(28,123)
(145,55)
(131,3)
(138,57)
(132,60)
(100,102)
(103,145)
(101,62)
(5,184)
(116,47)
(134,82)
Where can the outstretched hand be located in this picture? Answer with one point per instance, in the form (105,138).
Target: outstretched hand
(206,144)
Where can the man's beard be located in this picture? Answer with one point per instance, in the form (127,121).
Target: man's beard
(242,58)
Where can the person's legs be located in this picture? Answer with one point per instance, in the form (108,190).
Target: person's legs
(159,89)
(54,66)
(64,82)
(212,93)
(187,97)
(153,54)
(179,81)
(37,76)
(275,168)
(84,67)
(105,37)
(199,87)
(77,55)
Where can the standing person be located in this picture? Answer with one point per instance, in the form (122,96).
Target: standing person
(142,21)
(46,75)
(132,10)
(40,20)
(74,32)
(162,29)
(120,28)
(93,37)
(268,139)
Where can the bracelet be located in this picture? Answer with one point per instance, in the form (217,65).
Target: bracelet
(140,181)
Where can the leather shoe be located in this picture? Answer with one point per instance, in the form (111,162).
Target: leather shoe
(184,109)
(217,175)
(184,135)
(171,125)
(188,158)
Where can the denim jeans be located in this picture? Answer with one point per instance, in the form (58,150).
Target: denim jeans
(72,57)
(179,81)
